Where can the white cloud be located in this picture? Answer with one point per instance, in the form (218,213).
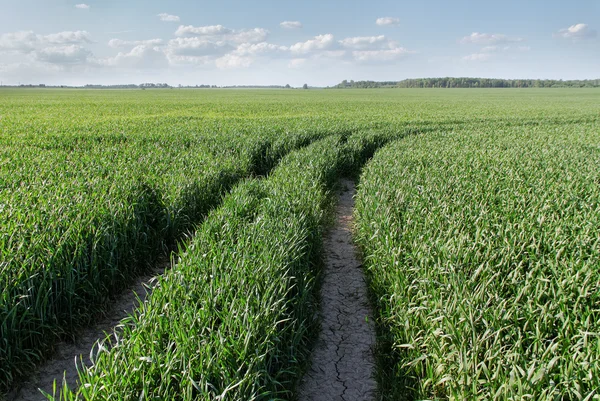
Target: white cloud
(67,37)
(219,32)
(62,48)
(140,57)
(206,44)
(82,6)
(249,36)
(488,39)
(362,49)
(365,42)
(577,32)
(27,41)
(71,54)
(248,49)
(23,41)
(232,61)
(374,49)
(168,18)
(196,47)
(380,55)
(291,24)
(321,42)
(387,21)
(178,60)
(212,30)
(118,43)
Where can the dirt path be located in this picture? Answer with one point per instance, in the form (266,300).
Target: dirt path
(63,361)
(343,364)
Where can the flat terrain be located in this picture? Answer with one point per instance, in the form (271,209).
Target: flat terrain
(477,219)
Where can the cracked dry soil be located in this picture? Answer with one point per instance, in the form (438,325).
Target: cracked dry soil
(343,362)
(68,355)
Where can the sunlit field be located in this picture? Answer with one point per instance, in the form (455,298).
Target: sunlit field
(477,216)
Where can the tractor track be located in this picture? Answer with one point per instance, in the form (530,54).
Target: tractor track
(68,356)
(343,362)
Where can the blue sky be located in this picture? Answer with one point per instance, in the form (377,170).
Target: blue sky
(264,42)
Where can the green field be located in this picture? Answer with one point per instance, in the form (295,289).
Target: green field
(478,219)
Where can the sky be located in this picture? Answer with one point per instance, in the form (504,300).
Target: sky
(278,42)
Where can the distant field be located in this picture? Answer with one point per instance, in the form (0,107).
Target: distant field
(479,224)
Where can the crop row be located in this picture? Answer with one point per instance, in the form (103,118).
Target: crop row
(82,214)
(232,319)
(482,249)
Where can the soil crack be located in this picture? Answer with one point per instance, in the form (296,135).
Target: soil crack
(343,362)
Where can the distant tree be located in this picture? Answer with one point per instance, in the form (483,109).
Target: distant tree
(450,82)
(287,86)
(305,86)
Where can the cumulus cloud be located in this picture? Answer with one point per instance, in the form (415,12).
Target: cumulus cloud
(197,47)
(27,41)
(488,39)
(229,48)
(168,17)
(82,6)
(252,49)
(211,30)
(320,42)
(362,49)
(219,32)
(23,41)
(140,57)
(387,21)
(232,61)
(72,54)
(249,35)
(365,42)
(232,48)
(380,55)
(577,32)
(291,24)
(67,37)
(118,43)
(374,49)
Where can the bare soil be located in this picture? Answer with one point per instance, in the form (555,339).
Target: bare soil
(69,355)
(343,362)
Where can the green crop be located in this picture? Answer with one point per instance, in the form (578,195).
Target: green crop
(96,185)
(483,251)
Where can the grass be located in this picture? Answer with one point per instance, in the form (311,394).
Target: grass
(483,249)
(94,185)
(231,319)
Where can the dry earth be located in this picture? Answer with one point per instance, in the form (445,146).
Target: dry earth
(343,362)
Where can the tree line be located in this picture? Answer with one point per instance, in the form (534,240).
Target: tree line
(450,82)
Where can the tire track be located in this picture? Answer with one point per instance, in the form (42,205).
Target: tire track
(343,362)
(68,356)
